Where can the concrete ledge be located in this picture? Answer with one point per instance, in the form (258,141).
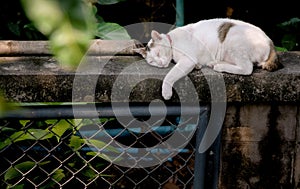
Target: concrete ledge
(38,78)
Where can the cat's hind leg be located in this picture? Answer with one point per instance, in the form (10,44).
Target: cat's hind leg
(243,68)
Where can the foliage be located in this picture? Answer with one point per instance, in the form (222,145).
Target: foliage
(291,36)
(70,25)
(36,138)
(110,31)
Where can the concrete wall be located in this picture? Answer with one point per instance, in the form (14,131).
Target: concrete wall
(260,147)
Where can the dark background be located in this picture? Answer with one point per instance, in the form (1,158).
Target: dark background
(261,13)
(265,14)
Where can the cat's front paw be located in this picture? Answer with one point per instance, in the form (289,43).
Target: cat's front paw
(166,92)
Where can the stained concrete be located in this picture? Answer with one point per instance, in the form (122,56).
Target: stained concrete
(40,79)
(260,147)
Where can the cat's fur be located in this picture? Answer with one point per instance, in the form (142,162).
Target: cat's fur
(225,45)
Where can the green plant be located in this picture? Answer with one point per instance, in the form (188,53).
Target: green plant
(108,30)
(52,152)
(291,36)
(70,25)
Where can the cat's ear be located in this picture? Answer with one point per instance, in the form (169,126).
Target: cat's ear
(141,51)
(155,35)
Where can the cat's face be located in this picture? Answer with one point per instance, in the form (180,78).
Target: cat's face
(158,51)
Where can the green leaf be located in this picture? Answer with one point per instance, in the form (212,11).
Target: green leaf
(69,25)
(288,41)
(58,175)
(76,142)
(109,2)
(100,145)
(101,155)
(291,22)
(30,134)
(18,170)
(19,186)
(6,129)
(69,45)
(111,31)
(24,122)
(282,49)
(90,173)
(104,120)
(40,124)
(46,14)
(60,127)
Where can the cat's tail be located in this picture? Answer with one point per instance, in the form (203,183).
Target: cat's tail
(272,63)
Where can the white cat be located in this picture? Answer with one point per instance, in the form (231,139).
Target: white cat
(225,45)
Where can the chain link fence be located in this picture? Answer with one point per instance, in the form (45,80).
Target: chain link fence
(47,147)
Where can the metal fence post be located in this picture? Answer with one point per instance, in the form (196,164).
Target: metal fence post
(207,165)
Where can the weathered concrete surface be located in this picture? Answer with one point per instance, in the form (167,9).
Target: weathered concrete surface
(260,147)
(40,79)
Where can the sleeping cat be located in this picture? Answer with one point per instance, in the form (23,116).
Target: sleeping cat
(225,45)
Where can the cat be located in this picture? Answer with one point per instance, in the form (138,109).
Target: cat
(223,44)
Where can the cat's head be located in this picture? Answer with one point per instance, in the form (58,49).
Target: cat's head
(158,51)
